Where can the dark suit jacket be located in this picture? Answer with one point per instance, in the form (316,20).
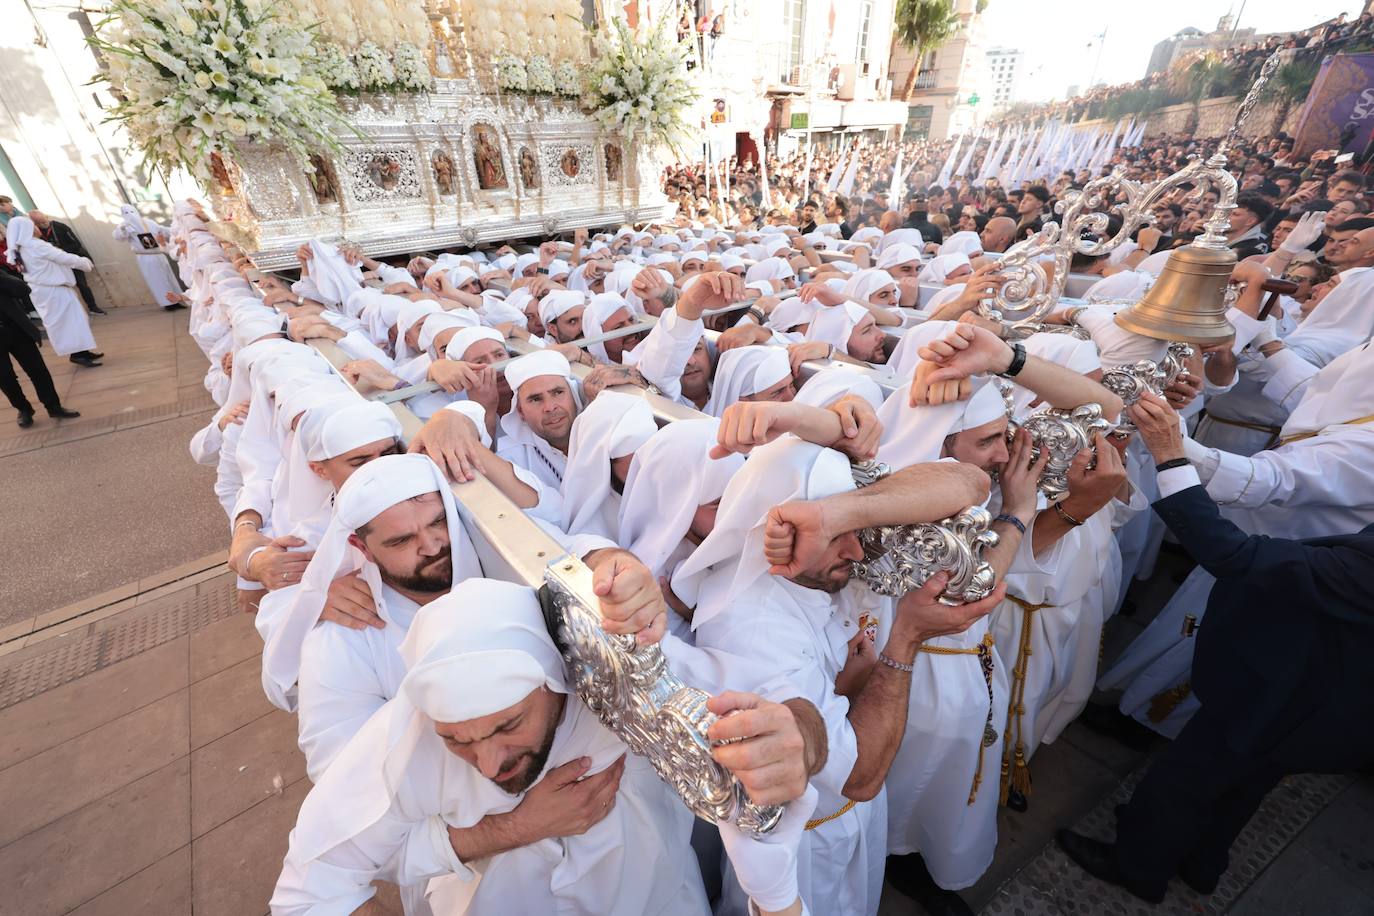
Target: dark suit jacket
(1289,626)
(64,237)
(14,308)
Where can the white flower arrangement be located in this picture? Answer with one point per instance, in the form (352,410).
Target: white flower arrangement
(412,71)
(567,81)
(510,74)
(640,85)
(336,69)
(194,79)
(375,73)
(539,75)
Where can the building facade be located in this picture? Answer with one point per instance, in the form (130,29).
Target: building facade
(1186,41)
(1004,75)
(57,152)
(951,94)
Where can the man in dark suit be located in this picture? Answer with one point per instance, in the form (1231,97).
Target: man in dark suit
(1281,669)
(63,236)
(20,339)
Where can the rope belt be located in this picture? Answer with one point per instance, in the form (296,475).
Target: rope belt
(1244,424)
(984,652)
(1015,772)
(813,824)
(1301,436)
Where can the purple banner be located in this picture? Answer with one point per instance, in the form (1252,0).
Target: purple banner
(1339,113)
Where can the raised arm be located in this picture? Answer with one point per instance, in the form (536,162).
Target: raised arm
(970,350)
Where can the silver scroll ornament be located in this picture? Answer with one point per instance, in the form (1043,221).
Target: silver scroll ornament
(1063,433)
(1131,381)
(1028,295)
(632,691)
(900,558)
(1023,330)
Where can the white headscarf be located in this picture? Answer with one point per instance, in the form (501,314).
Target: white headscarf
(896,237)
(966,242)
(613,426)
(254,325)
(370,491)
(913,435)
(1116,345)
(18,233)
(789,313)
(602,307)
(406,317)
(1154,264)
(745,371)
(360,298)
(523,263)
(865,283)
(1343,320)
(458,344)
(937,269)
(350,426)
(1342,391)
(462,665)
(515,432)
(829,385)
(556,304)
(833,324)
(437,324)
(778,472)
(892,255)
(1061,349)
(769,269)
(671,476)
(380,314)
(133,220)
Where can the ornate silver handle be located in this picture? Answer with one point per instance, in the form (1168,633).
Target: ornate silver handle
(900,558)
(632,691)
(1130,382)
(1064,433)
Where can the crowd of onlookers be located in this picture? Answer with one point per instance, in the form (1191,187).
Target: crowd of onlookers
(1276,187)
(1238,67)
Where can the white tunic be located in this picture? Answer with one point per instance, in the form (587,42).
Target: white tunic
(152,262)
(52,287)
(634,862)
(800,635)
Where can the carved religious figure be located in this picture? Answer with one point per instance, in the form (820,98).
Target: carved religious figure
(384,171)
(570,164)
(529,169)
(443,172)
(613,162)
(487,157)
(323,181)
(221,173)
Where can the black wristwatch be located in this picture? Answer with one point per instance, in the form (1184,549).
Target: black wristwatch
(1171,464)
(1018,362)
(541,270)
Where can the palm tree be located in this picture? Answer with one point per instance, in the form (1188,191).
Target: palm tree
(923,26)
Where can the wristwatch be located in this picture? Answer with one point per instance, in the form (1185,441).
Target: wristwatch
(1018,362)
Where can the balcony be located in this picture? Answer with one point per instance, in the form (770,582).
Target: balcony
(925,79)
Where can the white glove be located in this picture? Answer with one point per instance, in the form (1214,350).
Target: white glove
(766,866)
(1309,228)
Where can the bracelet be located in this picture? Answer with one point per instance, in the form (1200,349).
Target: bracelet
(1018,362)
(1012,520)
(1171,464)
(757,314)
(1059,510)
(894,664)
(247,521)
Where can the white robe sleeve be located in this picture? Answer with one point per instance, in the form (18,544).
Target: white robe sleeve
(1291,373)
(228,477)
(338,689)
(356,345)
(1294,477)
(665,352)
(389,275)
(206,443)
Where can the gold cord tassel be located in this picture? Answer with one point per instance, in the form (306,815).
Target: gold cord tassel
(1015,771)
(1163,704)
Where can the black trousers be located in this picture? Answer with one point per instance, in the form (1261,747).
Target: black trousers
(1200,792)
(26,353)
(84,288)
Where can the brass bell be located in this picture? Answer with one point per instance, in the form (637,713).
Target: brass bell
(1188,301)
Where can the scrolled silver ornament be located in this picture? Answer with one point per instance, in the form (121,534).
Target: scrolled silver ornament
(630,688)
(1063,433)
